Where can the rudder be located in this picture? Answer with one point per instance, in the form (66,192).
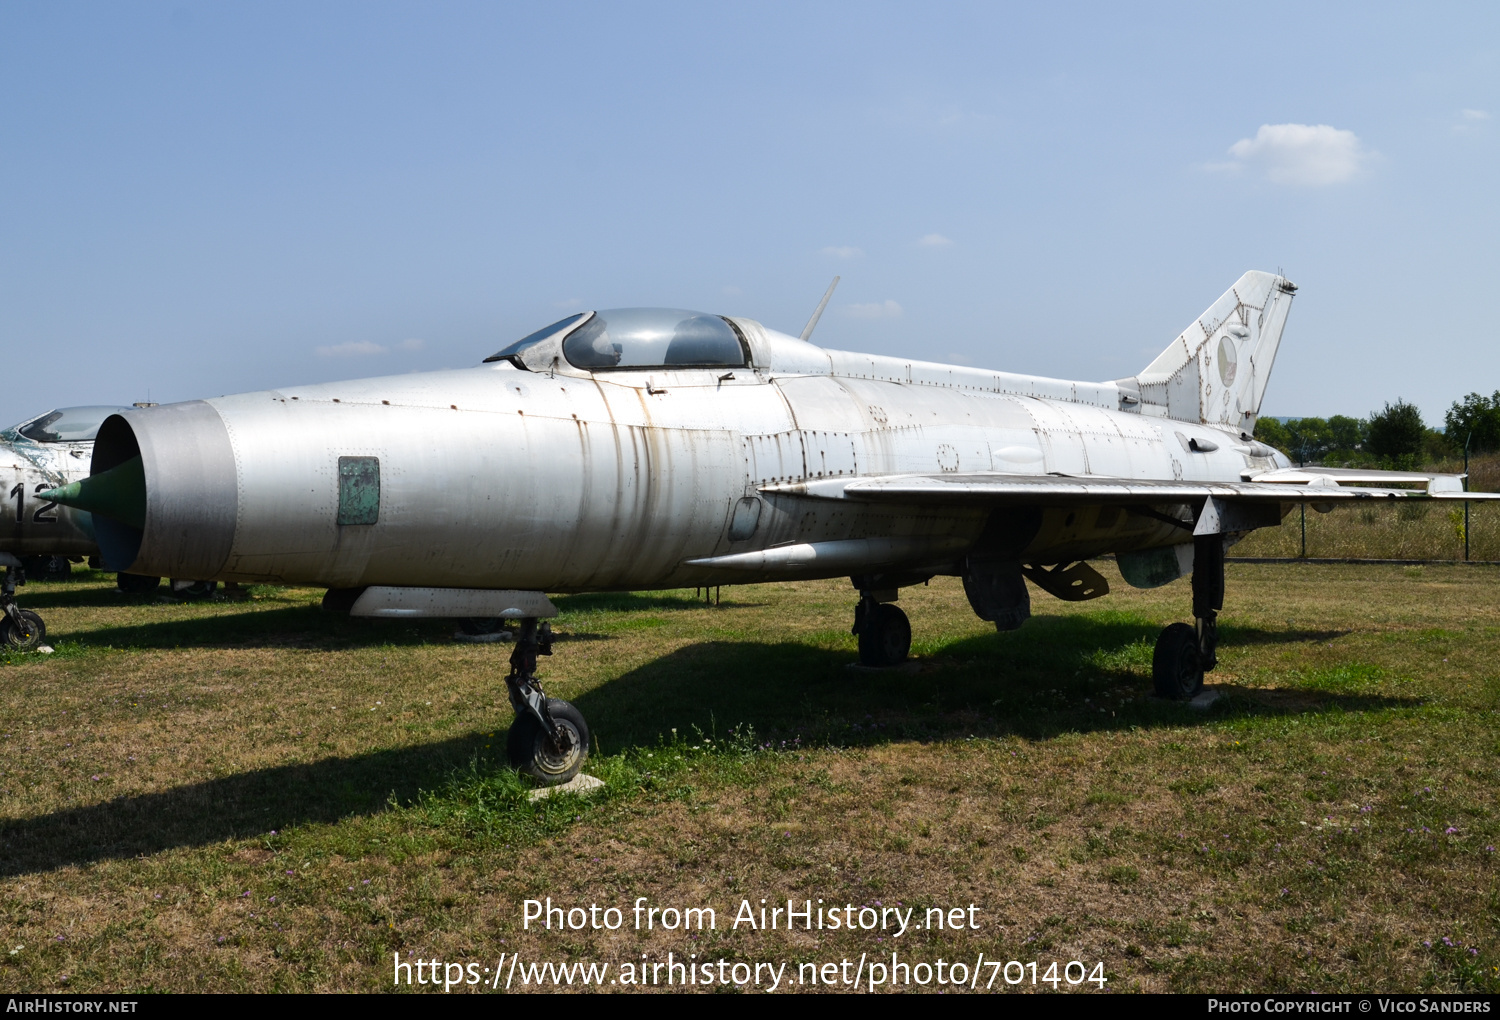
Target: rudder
(1217,369)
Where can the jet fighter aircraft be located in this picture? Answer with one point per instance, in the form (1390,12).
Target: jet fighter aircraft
(39,454)
(37,536)
(655,448)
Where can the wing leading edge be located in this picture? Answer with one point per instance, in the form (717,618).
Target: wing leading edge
(993,489)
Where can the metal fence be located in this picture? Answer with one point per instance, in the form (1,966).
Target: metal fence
(1422,531)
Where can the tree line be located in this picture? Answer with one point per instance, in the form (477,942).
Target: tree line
(1394,437)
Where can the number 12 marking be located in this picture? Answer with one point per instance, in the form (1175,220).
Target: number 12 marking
(40,516)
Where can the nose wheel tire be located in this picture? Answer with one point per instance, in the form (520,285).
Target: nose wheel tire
(884,636)
(24,635)
(1177,665)
(550,759)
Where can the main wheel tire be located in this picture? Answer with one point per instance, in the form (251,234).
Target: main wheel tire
(477,625)
(24,638)
(137,584)
(885,640)
(1177,666)
(531,752)
(195,591)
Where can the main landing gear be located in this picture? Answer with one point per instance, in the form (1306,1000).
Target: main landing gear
(549,740)
(883,630)
(1184,653)
(19,628)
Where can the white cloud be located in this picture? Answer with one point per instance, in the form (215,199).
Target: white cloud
(413,344)
(843,252)
(875,310)
(1469,120)
(934,241)
(352,348)
(1302,155)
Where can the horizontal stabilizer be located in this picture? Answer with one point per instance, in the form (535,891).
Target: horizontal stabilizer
(1435,483)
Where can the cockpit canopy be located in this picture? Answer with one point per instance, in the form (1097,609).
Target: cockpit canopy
(635,338)
(68,424)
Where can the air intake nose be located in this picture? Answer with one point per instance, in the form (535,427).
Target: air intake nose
(163,494)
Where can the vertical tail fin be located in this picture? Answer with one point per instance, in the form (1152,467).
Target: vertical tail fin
(1216,371)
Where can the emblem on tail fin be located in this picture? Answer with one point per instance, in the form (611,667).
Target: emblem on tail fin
(1216,371)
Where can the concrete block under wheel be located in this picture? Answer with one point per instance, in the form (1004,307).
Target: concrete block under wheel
(482,639)
(579,784)
(910,666)
(1201,701)
(1205,697)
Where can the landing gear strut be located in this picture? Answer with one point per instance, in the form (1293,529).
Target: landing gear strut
(883,630)
(549,740)
(19,628)
(1184,653)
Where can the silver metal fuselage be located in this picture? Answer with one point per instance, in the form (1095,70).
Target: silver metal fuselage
(565,480)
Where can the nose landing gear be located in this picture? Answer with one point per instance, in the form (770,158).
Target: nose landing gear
(20,629)
(549,739)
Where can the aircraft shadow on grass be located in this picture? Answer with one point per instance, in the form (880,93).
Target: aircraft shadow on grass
(45,595)
(306,625)
(291,627)
(36,596)
(232,807)
(1029,683)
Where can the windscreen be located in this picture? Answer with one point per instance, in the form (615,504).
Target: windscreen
(68,424)
(535,338)
(624,338)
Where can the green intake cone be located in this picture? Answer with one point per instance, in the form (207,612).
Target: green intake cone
(119,493)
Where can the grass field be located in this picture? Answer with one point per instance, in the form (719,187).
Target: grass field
(1383,531)
(1400,531)
(256,795)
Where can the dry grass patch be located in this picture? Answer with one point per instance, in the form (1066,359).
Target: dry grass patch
(286,798)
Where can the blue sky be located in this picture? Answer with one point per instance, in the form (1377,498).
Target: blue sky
(206,198)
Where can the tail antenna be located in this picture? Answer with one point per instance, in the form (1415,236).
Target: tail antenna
(812,323)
